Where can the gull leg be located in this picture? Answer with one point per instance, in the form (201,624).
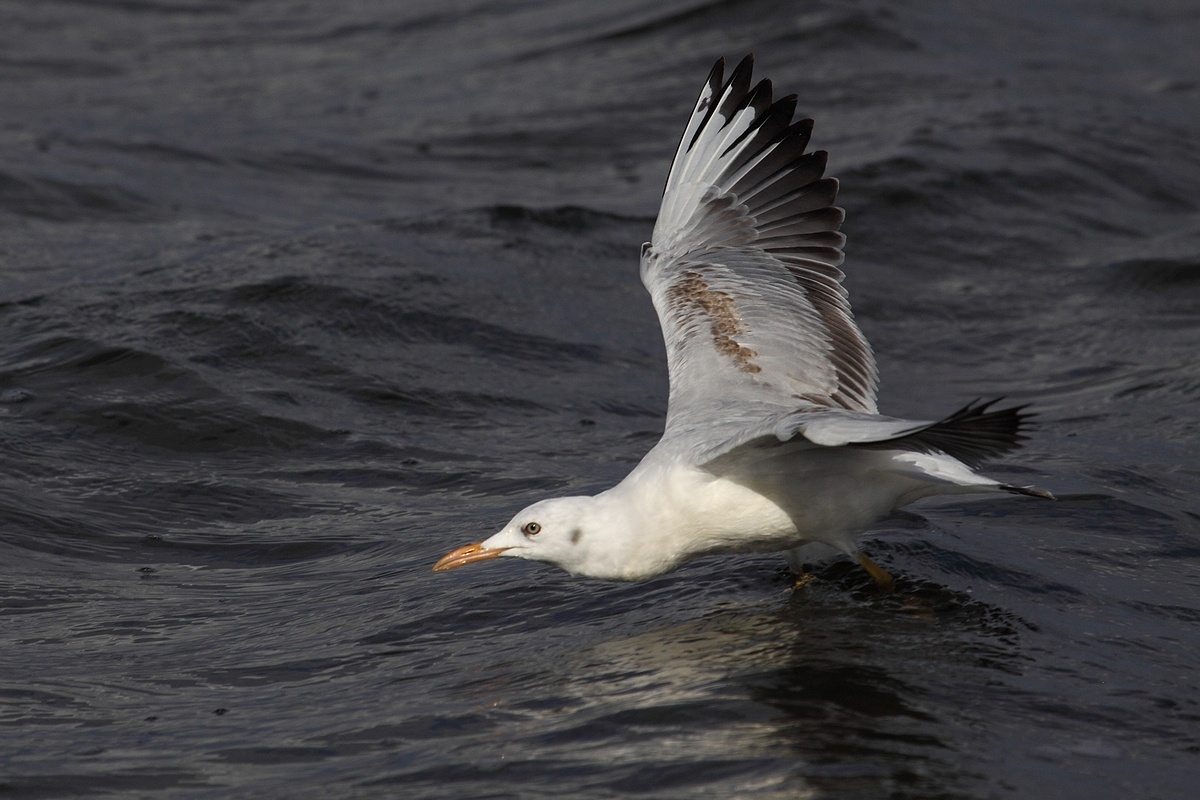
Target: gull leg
(802,576)
(881,575)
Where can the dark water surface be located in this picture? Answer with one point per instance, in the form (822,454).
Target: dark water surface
(297,296)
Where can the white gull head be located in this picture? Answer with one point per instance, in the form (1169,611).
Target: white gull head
(624,534)
(590,536)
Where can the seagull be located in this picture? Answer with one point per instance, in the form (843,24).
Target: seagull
(773,440)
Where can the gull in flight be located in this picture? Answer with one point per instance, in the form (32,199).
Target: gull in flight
(772,439)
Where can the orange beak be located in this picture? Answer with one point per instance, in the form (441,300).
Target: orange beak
(467,555)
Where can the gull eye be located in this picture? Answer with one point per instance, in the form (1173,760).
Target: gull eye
(531,529)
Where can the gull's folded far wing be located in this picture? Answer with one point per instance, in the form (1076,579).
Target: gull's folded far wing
(973,434)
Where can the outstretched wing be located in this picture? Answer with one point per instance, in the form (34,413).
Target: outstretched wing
(743,265)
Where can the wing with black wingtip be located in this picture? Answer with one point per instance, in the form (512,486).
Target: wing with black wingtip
(743,264)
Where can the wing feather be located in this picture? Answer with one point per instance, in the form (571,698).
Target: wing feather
(743,264)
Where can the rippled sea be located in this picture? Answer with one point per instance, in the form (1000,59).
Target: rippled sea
(295,297)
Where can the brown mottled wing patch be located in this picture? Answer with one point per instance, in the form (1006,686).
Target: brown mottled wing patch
(691,296)
(743,265)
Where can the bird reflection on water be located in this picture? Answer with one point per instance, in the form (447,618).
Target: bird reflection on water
(819,690)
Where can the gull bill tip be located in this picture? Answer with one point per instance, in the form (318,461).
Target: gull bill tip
(467,555)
